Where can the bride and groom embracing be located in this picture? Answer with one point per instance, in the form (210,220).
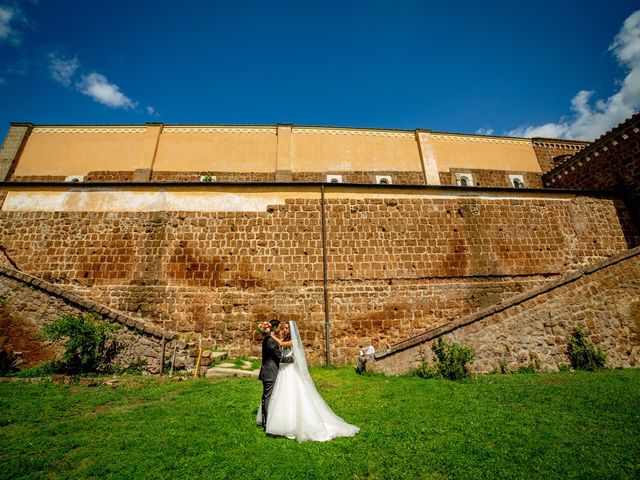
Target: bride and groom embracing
(291,406)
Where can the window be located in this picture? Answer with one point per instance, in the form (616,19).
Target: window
(517,181)
(383,179)
(464,179)
(74,178)
(334,178)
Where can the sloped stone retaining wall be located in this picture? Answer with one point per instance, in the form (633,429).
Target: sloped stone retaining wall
(604,299)
(28,303)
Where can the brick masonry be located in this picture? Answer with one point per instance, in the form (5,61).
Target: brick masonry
(549,150)
(611,162)
(11,148)
(162,176)
(28,303)
(396,266)
(491,178)
(397,178)
(603,299)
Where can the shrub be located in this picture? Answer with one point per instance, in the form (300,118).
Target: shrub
(89,344)
(529,368)
(583,353)
(41,370)
(453,361)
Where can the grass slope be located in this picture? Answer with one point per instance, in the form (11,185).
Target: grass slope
(560,425)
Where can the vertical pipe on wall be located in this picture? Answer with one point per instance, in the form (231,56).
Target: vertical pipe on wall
(327,326)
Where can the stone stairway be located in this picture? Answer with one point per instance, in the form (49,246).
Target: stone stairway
(213,365)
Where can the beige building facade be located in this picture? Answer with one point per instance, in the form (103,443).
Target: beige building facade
(157,152)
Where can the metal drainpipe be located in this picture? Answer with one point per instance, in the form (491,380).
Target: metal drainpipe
(327,326)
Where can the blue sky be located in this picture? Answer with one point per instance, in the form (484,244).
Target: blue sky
(567,69)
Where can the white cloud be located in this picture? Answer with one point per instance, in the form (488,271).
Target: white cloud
(484,131)
(10,18)
(590,120)
(63,69)
(152,112)
(6,15)
(98,87)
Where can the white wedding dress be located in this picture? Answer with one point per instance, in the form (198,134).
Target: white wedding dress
(296,409)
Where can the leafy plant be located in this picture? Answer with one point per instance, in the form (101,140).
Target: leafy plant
(529,368)
(134,368)
(41,370)
(453,361)
(207,178)
(584,355)
(89,345)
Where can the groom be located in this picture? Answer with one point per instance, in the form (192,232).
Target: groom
(271,358)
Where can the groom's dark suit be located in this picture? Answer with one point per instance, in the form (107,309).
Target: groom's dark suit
(271,358)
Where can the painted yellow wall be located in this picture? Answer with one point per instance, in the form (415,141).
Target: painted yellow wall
(486,153)
(217,149)
(342,150)
(79,150)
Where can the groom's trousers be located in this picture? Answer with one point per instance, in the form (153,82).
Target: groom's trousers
(267,388)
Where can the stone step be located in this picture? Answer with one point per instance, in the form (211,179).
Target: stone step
(218,356)
(218,372)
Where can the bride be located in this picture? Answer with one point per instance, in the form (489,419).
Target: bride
(296,409)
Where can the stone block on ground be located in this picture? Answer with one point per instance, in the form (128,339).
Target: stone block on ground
(219,372)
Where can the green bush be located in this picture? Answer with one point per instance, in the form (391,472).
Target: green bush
(583,353)
(89,343)
(453,361)
(42,370)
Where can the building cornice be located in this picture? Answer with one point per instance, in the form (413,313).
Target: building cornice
(611,139)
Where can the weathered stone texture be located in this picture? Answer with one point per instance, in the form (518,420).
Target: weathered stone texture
(11,148)
(397,177)
(611,162)
(549,151)
(109,176)
(28,304)
(395,265)
(491,178)
(604,300)
(245,177)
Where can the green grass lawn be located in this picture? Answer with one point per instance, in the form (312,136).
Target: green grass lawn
(560,425)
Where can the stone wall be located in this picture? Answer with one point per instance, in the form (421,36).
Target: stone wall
(11,147)
(547,150)
(491,178)
(398,263)
(611,162)
(160,176)
(397,178)
(28,303)
(603,299)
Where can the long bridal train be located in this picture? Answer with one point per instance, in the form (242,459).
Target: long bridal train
(296,409)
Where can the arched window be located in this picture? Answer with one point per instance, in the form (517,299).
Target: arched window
(517,181)
(383,179)
(464,179)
